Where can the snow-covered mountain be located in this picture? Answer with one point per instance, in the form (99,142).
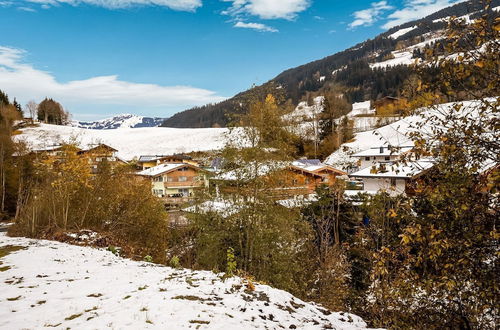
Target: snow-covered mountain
(120,121)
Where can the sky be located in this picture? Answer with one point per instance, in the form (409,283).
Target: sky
(99,58)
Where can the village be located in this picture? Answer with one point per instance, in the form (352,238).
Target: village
(179,180)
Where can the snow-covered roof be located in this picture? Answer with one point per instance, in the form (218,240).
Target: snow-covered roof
(160,169)
(395,170)
(313,165)
(225,208)
(298,202)
(386,151)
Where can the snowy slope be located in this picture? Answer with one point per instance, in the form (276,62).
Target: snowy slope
(51,284)
(130,142)
(120,121)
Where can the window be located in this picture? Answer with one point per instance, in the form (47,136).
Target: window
(393,182)
(294,181)
(387,158)
(170,179)
(158,179)
(183,178)
(183,169)
(158,192)
(367,158)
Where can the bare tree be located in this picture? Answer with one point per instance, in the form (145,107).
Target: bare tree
(32,107)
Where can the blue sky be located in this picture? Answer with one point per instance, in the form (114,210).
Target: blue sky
(157,57)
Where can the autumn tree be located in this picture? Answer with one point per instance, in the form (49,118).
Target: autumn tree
(444,269)
(269,241)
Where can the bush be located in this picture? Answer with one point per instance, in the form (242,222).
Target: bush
(115,203)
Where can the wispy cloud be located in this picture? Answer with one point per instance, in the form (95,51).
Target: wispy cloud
(183,5)
(25,82)
(267,9)
(367,17)
(255,26)
(28,9)
(415,9)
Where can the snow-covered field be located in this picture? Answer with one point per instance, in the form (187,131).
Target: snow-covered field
(52,284)
(130,142)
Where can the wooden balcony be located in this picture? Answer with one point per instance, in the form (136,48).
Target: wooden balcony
(191,182)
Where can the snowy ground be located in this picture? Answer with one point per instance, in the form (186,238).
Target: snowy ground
(52,284)
(130,142)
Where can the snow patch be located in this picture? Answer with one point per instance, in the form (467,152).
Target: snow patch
(402,32)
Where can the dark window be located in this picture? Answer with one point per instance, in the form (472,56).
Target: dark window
(367,158)
(387,158)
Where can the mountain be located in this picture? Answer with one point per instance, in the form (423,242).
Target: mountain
(370,70)
(120,121)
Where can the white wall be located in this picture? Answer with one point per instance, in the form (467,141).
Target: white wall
(375,160)
(376,184)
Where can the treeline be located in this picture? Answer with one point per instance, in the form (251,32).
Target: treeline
(297,82)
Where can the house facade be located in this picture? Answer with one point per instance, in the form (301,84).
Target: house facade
(380,155)
(175,182)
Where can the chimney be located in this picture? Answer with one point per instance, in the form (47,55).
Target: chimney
(381,150)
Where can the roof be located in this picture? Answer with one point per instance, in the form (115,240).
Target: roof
(225,208)
(386,151)
(244,173)
(149,158)
(160,169)
(314,166)
(99,145)
(395,170)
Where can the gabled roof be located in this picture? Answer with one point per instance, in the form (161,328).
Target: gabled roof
(97,146)
(314,166)
(396,170)
(149,158)
(165,168)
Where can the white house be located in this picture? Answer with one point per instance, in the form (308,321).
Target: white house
(382,154)
(391,177)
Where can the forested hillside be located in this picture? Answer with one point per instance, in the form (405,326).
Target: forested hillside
(350,69)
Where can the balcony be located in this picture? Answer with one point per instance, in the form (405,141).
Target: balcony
(189,182)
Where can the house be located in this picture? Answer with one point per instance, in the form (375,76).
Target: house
(390,105)
(175,182)
(99,153)
(149,161)
(381,154)
(394,178)
(284,180)
(329,173)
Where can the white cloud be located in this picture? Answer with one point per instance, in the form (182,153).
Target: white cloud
(255,26)
(267,9)
(185,5)
(23,81)
(367,17)
(28,9)
(415,9)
